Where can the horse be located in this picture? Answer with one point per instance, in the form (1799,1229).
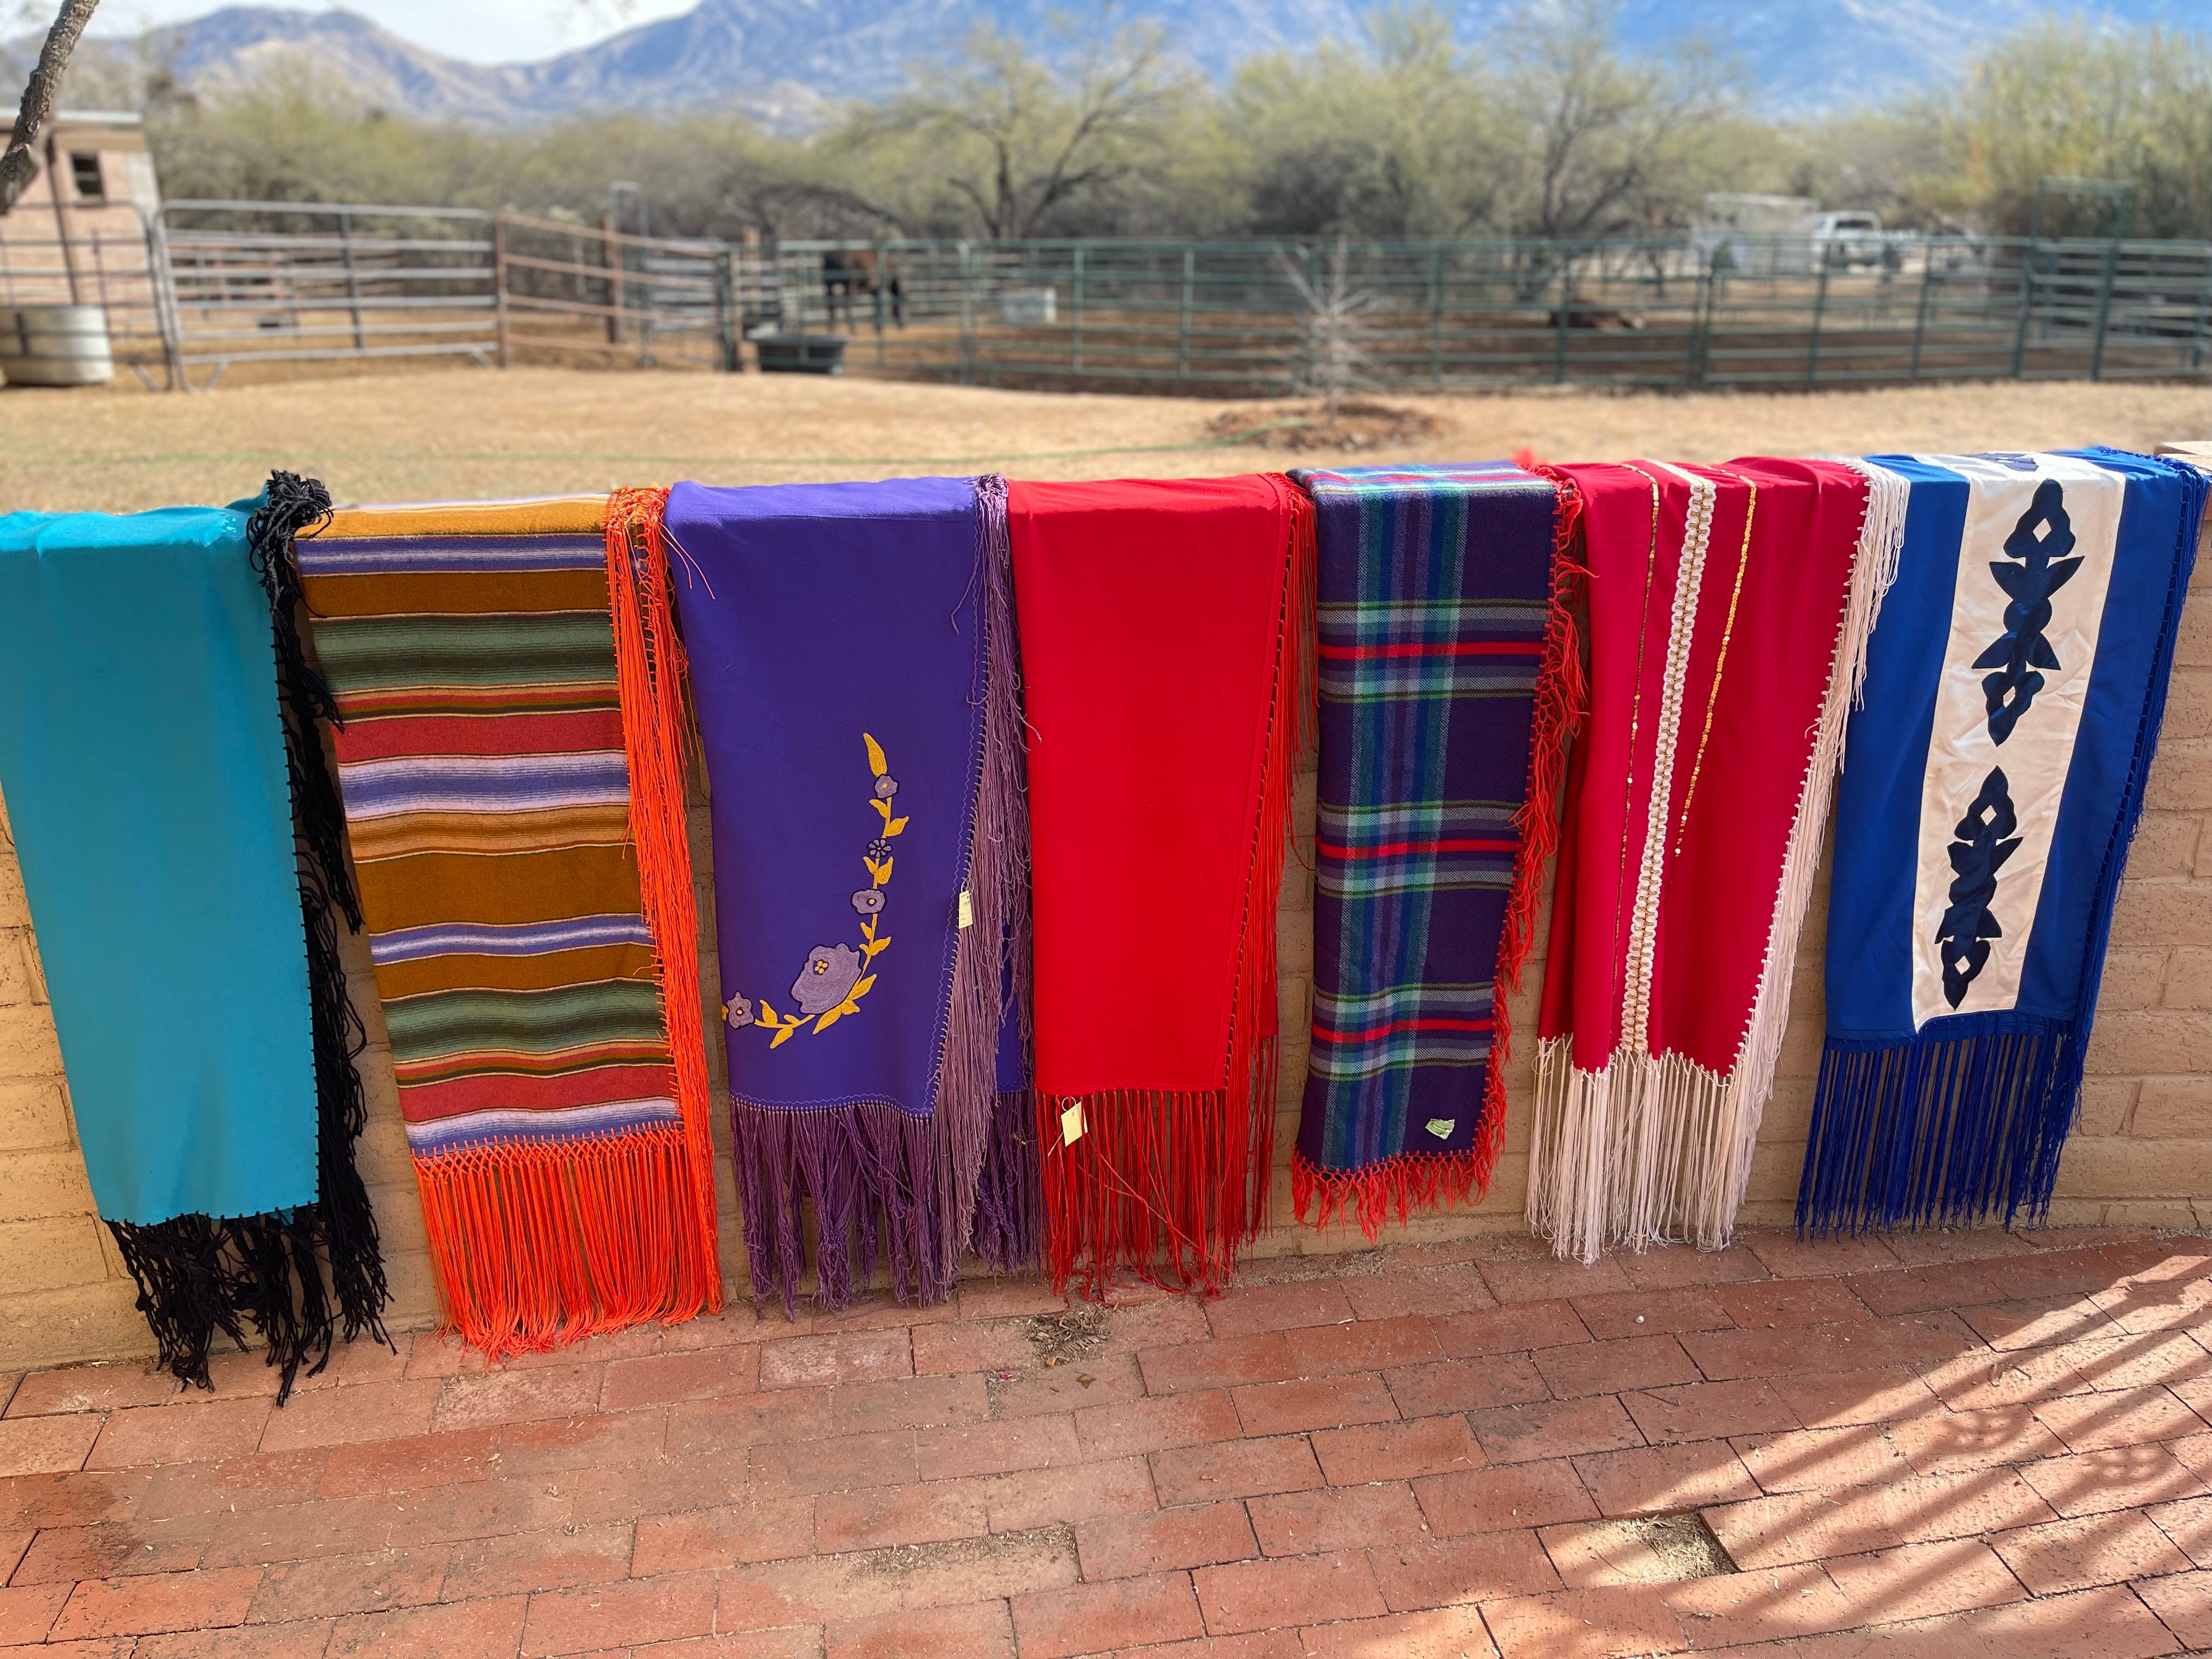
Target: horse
(848,273)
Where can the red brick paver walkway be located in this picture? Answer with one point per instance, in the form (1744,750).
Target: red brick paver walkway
(1914,1449)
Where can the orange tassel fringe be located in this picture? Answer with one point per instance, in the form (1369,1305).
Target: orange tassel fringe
(1170,1187)
(539,1244)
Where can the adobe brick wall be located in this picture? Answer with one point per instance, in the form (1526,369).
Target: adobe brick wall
(2141,1154)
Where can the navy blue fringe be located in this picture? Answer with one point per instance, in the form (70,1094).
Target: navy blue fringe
(1939,1133)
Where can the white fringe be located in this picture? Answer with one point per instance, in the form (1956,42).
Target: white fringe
(1657,1147)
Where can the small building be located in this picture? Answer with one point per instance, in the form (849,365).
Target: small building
(77,234)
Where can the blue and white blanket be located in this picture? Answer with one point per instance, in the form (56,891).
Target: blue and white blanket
(1993,779)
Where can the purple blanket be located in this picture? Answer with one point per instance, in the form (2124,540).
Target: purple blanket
(851,658)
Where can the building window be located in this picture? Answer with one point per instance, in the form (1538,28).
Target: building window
(84,168)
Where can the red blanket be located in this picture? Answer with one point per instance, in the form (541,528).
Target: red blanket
(1159,627)
(1726,629)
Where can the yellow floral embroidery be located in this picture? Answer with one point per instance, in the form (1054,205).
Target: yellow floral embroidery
(831,969)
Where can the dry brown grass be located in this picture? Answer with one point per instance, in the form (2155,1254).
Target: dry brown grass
(462,434)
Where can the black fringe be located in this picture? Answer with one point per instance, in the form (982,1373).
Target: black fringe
(197,1275)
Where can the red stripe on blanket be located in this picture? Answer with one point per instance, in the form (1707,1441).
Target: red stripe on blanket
(1320,1036)
(1330,849)
(404,737)
(426,1103)
(1457,648)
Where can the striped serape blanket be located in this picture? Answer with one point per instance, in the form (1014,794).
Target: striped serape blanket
(2014,693)
(509,767)
(1449,679)
(1729,612)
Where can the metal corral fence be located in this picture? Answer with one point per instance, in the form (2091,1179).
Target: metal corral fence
(211,285)
(1238,318)
(252,282)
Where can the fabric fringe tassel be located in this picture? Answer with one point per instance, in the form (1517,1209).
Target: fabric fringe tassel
(1008,1235)
(991,973)
(650,669)
(1392,1188)
(1562,700)
(1619,1156)
(199,1274)
(541,1243)
(1939,1134)
(1167,1186)
(879,1183)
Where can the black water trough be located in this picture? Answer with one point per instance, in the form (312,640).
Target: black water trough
(801,354)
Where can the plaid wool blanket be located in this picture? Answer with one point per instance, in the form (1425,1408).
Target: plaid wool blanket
(1448,678)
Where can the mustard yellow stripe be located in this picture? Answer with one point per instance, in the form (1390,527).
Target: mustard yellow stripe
(409,833)
(567,515)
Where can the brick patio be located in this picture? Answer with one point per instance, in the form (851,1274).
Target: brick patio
(1928,1446)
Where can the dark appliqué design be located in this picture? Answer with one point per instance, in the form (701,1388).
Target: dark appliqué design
(2040,542)
(1977,855)
(835,977)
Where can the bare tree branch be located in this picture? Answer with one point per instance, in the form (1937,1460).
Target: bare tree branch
(1017,138)
(20,164)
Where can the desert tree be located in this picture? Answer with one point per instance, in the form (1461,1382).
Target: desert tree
(1395,135)
(19,163)
(1017,138)
(1612,143)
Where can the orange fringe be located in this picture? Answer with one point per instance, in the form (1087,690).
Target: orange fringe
(1170,1187)
(540,1245)
(651,672)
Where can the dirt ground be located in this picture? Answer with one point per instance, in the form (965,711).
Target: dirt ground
(471,434)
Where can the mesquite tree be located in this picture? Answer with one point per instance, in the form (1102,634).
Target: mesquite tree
(19,164)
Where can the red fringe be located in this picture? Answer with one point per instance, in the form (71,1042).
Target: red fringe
(1169,1186)
(1395,1187)
(538,1244)
(1562,703)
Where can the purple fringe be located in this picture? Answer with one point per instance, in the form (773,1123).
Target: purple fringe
(1009,1233)
(991,971)
(916,1192)
(874,1177)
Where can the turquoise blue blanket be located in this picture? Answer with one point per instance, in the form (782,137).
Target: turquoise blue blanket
(142,756)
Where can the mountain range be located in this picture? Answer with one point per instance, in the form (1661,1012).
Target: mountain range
(788,63)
